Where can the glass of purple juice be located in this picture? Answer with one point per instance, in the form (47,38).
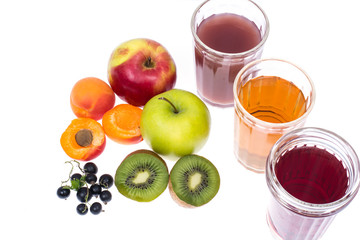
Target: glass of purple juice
(228,34)
(312,175)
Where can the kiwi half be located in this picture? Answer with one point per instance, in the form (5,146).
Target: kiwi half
(142,176)
(194,181)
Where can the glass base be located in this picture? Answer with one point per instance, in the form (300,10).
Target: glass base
(215,104)
(297,227)
(272,228)
(252,162)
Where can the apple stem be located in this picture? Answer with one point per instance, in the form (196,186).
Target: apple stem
(149,63)
(163,98)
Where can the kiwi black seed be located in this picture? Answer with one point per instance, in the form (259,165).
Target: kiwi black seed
(142,176)
(194,181)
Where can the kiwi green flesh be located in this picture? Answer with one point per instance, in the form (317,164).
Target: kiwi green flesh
(142,176)
(195,180)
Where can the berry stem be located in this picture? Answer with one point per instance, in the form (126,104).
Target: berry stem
(72,168)
(71,171)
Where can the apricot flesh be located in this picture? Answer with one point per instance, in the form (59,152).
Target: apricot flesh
(84,139)
(122,124)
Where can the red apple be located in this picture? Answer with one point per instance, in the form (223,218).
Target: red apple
(140,69)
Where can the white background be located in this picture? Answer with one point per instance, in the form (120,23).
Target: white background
(46,46)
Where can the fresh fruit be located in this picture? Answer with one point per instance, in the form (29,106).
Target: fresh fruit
(105,196)
(91,98)
(79,183)
(75,177)
(84,194)
(106,181)
(175,123)
(90,178)
(194,181)
(122,124)
(142,176)
(90,167)
(95,189)
(140,69)
(63,192)
(82,209)
(84,139)
(96,208)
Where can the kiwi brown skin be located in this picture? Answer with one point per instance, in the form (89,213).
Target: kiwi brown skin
(177,199)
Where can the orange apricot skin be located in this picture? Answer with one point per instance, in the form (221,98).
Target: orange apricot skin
(91,97)
(73,149)
(129,117)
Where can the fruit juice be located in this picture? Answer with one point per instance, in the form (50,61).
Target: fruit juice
(270,99)
(312,175)
(229,34)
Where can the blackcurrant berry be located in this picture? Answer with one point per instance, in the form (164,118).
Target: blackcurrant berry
(75,176)
(77,181)
(82,209)
(63,192)
(106,181)
(90,168)
(96,208)
(105,196)
(95,189)
(90,178)
(84,194)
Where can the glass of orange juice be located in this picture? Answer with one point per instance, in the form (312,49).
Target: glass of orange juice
(271,98)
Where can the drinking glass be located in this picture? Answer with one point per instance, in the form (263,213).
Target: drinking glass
(272,97)
(215,67)
(312,174)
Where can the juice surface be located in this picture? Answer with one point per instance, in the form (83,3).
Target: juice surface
(312,175)
(229,33)
(272,99)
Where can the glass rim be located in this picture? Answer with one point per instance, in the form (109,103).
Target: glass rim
(305,208)
(269,125)
(224,54)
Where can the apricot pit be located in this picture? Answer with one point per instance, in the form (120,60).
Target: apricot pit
(84,137)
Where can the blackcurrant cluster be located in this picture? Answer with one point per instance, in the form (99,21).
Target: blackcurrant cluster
(80,183)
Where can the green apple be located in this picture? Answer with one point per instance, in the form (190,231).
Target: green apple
(175,123)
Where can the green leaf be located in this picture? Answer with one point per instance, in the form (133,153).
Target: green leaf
(76,184)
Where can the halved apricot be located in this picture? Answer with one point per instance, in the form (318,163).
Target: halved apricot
(84,139)
(122,124)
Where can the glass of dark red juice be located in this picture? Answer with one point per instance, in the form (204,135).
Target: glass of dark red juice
(227,34)
(312,175)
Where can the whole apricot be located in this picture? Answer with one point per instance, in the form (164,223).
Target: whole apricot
(91,97)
